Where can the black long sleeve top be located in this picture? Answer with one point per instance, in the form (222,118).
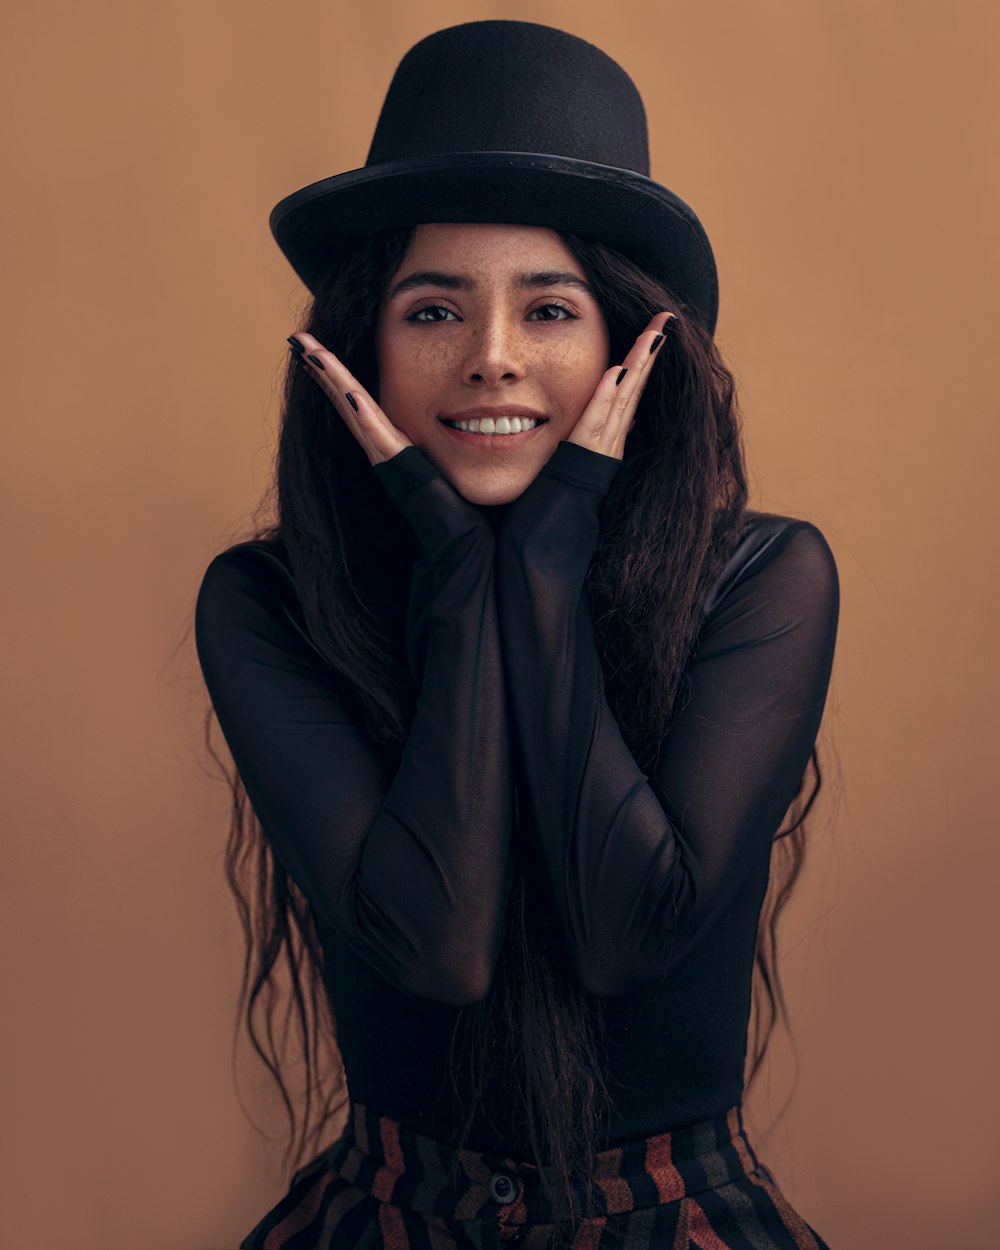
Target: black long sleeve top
(656,881)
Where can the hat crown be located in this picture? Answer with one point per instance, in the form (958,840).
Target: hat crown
(506,86)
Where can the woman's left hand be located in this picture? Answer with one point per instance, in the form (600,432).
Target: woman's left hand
(608,419)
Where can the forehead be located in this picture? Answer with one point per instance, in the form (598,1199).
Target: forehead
(494,249)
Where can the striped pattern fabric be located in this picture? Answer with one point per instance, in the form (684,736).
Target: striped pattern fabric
(381,1186)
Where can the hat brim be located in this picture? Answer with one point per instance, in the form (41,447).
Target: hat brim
(633,214)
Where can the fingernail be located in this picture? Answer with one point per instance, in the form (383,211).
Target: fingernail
(666,324)
(317,362)
(296,345)
(352,401)
(655,343)
(620,376)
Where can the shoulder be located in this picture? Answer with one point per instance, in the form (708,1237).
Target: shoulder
(249,589)
(250,562)
(257,569)
(794,550)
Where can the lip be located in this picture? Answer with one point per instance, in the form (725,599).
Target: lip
(493,442)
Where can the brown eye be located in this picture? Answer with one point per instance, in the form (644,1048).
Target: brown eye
(559,308)
(429,308)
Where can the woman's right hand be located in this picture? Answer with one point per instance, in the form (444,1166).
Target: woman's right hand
(379,438)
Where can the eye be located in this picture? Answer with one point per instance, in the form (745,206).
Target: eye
(428,308)
(559,308)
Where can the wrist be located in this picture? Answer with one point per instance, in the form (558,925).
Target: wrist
(405,472)
(581,466)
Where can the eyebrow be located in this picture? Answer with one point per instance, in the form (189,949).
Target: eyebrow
(455,282)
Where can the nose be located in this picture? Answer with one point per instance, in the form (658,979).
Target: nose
(495,353)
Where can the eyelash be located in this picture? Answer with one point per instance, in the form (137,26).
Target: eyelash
(413,317)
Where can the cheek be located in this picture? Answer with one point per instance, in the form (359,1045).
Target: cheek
(398,386)
(578,373)
(410,371)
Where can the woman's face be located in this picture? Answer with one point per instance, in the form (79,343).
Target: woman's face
(488,321)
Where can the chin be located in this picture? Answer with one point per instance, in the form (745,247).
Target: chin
(490,493)
(486,495)
(486,489)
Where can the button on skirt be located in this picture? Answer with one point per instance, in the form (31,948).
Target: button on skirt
(381,1186)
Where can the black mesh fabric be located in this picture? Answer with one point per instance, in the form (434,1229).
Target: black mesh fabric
(655,882)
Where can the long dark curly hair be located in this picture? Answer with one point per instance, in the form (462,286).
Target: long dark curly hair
(674,514)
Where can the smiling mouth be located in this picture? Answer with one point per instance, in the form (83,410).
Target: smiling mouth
(502,426)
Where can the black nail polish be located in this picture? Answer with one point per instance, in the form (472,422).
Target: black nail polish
(352,401)
(666,324)
(620,376)
(655,343)
(317,362)
(296,345)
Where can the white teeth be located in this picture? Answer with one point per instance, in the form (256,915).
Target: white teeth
(502,425)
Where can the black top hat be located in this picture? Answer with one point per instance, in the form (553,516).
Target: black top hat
(508,122)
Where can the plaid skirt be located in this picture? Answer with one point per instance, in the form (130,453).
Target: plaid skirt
(381,1186)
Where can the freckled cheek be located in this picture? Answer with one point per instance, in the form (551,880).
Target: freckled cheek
(411,383)
(574,383)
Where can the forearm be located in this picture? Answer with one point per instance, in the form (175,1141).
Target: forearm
(593,812)
(639,868)
(438,858)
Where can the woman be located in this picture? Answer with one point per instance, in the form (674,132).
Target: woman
(517,688)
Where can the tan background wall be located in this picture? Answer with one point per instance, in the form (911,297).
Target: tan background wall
(843,158)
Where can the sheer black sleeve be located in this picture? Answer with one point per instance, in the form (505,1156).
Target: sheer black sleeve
(640,866)
(412,870)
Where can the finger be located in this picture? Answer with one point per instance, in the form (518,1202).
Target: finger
(610,416)
(332,376)
(379,438)
(646,348)
(631,378)
(603,424)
